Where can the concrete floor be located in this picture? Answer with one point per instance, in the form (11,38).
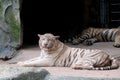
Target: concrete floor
(33,51)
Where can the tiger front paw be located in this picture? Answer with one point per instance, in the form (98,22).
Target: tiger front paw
(76,66)
(76,42)
(88,42)
(20,64)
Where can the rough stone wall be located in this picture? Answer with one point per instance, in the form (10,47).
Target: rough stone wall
(9,28)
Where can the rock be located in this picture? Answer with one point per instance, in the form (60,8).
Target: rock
(22,73)
(10,29)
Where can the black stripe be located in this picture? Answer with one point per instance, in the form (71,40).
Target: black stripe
(111,34)
(114,35)
(74,56)
(82,53)
(75,53)
(69,57)
(93,32)
(104,35)
(64,63)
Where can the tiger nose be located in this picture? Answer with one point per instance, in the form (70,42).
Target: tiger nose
(45,44)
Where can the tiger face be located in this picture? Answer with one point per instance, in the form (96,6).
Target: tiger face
(47,41)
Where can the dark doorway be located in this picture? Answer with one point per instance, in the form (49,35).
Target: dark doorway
(39,19)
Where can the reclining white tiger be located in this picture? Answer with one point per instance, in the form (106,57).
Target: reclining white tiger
(56,53)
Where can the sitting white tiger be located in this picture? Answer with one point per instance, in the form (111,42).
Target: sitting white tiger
(56,53)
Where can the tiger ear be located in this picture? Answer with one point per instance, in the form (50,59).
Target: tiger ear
(39,35)
(57,37)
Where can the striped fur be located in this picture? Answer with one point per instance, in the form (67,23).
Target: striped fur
(55,53)
(92,35)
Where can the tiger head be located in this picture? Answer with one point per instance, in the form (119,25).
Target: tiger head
(47,41)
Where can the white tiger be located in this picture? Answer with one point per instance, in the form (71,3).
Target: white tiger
(56,53)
